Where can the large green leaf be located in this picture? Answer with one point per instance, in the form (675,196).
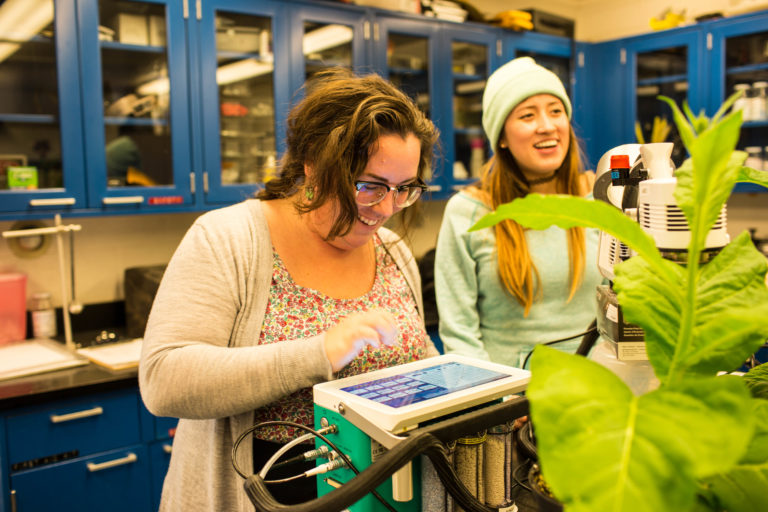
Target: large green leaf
(757,381)
(717,166)
(742,489)
(745,487)
(655,305)
(538,211)
(750,175)
(757,451)
(604,449)
(729,317)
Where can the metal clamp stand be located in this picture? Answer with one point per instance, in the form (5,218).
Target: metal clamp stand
(58,229)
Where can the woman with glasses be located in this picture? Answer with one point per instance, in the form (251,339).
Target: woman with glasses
(500,291)
(297,286)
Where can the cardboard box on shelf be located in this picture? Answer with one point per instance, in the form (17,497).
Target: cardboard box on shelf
(411,6)
(551,23)
(240,39)
(131,29)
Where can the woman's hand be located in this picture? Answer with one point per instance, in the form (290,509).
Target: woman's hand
(345,340)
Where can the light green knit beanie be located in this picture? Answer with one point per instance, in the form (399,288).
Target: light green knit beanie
(512,83)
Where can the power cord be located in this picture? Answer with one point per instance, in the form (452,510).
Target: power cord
(591,329)
(318,433)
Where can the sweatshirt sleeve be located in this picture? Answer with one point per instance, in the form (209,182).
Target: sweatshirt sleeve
(456,287)
(200,354)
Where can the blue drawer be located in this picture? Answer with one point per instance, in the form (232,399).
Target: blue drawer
(42,435)
(117,481)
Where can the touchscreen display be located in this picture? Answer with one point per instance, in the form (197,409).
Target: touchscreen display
(419,385)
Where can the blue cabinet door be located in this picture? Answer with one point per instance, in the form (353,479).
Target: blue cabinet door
(136,105)
(323,37)
(244,62)
(117,481)
(739,60)
(467,56)
(406,52)
(668,64)
(40,112)
(601,93)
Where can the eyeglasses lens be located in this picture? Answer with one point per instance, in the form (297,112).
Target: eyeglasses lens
(369,194)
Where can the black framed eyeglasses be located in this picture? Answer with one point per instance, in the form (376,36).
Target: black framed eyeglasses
(370,193)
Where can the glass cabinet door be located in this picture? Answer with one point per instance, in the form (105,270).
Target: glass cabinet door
(742,51)
(667,65)
(404,52)
(470,68)
(553,52)
(322,38)
(40,161)
(240,90)
(136,103)
(660,72)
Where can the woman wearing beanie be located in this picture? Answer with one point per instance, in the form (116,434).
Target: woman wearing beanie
(501,291)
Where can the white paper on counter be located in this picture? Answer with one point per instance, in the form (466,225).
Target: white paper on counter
(35,356)
(117,356)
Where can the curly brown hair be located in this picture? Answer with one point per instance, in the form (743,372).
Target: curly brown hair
(333,130)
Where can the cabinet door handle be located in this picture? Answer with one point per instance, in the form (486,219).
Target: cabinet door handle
(128,459)
(123,200)
(54,201)
(167,448)
(61,418)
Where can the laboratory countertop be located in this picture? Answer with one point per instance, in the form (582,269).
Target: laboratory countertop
(63,384)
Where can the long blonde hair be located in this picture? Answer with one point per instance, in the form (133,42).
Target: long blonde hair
(501,182)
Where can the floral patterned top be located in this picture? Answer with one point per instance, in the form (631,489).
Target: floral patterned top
(295,312)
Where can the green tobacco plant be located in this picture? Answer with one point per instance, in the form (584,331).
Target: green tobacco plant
(698,442)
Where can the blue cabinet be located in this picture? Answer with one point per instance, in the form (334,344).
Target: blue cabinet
(115,480)
(99,451)
(41,112)
(136,117)
(469,54)
(628,77)
(702,64)
(244,94)
(739,57)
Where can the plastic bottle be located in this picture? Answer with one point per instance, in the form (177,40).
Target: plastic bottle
(759,98)
(477,156)
(43,316)
(743,103)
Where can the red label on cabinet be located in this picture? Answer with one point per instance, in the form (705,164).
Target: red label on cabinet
(166,200)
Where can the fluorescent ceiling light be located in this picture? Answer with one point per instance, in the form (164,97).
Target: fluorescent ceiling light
(328,36)
(21,20)
(243,70)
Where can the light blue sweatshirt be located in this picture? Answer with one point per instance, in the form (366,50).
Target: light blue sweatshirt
(478,317)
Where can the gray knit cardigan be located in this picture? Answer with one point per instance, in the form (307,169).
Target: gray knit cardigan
(201,360)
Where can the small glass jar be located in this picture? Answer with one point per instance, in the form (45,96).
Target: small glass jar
(758,101)
(43,316)
(743,103)
(754,157)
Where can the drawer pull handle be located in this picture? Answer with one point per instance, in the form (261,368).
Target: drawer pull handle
(128,459)
(123,200)
(54,201)
(167,448)
(61,418)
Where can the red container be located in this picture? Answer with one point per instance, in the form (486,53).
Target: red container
(13,307)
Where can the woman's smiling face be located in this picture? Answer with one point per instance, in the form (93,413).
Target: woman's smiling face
(393,161)
(536,132)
